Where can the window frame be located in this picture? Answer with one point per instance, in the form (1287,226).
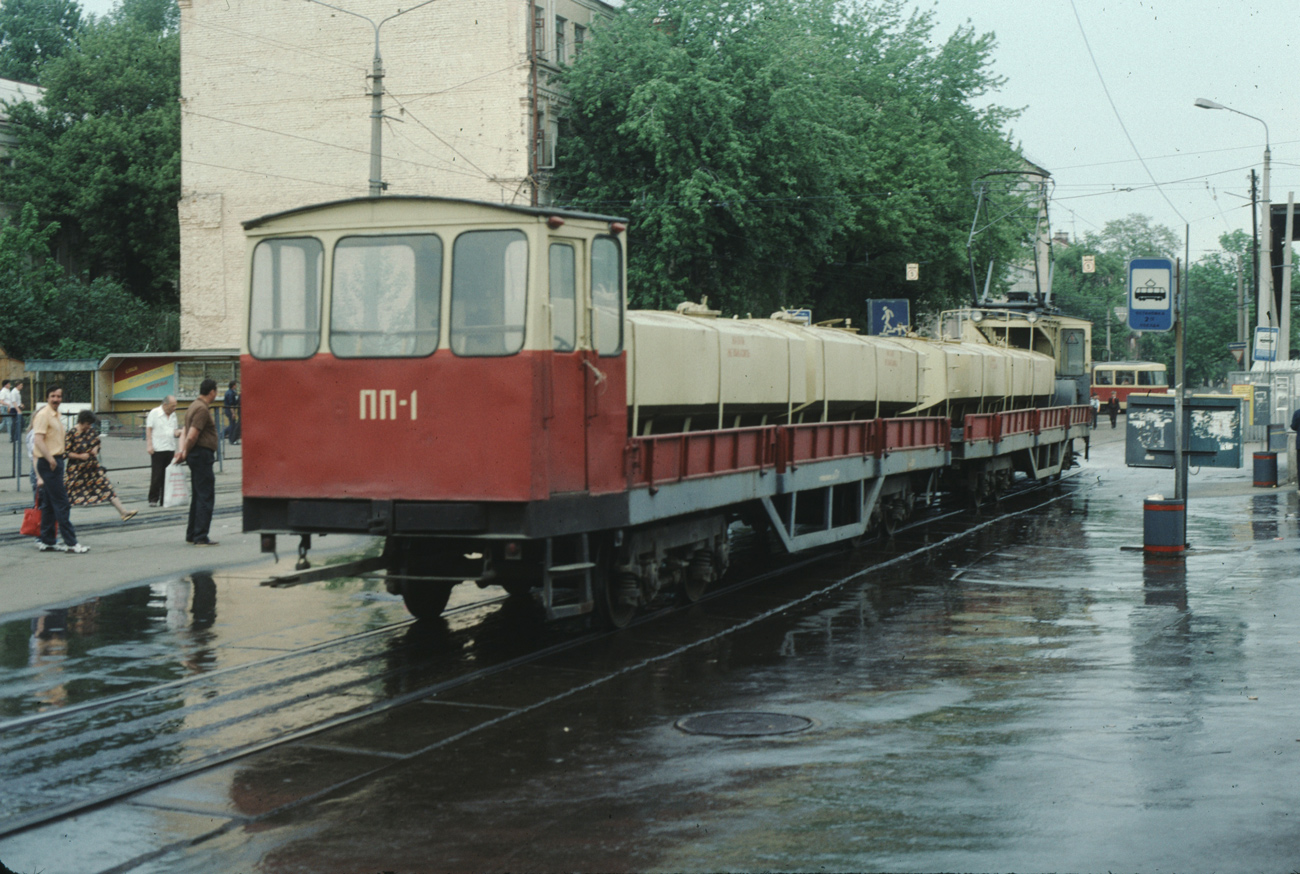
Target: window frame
(437,340)
(451,292)
(621,294)
(320,297)
(575,301)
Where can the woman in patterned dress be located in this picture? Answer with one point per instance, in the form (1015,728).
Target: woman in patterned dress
(85,479)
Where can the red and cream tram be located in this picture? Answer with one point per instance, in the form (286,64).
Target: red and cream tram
(461,379)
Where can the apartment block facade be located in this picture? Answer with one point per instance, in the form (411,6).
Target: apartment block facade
(276,113)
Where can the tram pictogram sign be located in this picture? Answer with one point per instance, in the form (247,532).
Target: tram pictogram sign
(1150,294)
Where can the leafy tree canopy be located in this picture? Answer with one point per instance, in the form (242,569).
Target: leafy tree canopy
(101,153)
(776,152)
(33,33)
(51,315)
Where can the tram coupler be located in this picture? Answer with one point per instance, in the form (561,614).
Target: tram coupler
(303,545)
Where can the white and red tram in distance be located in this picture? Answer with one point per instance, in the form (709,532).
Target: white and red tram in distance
(462,379)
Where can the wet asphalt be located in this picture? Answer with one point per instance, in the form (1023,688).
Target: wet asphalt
(1029,693)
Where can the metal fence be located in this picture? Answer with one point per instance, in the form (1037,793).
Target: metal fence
(121,445)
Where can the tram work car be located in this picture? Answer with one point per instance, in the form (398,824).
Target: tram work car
(462,379)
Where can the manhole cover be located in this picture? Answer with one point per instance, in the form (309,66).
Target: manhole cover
(730,723)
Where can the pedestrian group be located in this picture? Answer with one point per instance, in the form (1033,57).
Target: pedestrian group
(66,469)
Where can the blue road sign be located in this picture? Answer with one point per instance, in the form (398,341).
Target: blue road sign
(1150,294)
(889,318)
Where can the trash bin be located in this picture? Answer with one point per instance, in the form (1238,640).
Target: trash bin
(1164,525)
(1265,469)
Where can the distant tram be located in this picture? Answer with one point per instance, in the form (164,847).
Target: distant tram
(1125,377)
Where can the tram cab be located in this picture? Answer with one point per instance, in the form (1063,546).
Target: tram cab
(418,350)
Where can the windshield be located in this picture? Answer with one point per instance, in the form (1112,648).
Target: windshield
(386,296)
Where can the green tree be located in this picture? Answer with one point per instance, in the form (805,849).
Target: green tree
(33,33)
(1136,237)
(1094,296)
(101,153)
(49,314)
(777,152)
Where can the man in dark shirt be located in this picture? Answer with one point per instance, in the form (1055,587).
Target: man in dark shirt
(198,449)
(231,405)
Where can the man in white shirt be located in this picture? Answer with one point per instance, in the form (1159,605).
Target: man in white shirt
(161,429)
(15,410)
(4,405)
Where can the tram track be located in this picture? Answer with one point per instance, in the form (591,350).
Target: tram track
(288,697)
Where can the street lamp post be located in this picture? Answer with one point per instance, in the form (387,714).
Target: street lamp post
(376,77)
(1267,314)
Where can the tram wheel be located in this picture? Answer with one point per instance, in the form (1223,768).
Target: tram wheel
(617,595)
(697,577)
(426,600)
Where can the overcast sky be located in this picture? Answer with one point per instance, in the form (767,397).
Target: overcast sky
(1155,57)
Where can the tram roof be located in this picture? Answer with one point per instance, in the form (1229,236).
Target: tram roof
(525,210)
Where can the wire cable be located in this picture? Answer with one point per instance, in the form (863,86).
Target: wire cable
(1118,117)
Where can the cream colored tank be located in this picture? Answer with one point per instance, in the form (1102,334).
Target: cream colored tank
(689,372)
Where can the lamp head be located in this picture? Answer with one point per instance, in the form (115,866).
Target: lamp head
(1205,103)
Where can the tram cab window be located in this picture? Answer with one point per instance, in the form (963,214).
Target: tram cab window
(1104,377)
(606,296)
(386,296)
(489,286)
(285,298)
(563,291)
(1151,377)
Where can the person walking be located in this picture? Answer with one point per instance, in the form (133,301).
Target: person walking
(231,405)
(15,404)
(4,404)
(198,449)
(1112,409)
(160,432)
(48,447)
(85,480)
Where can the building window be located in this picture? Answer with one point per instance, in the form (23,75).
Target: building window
(190,376)
(560,56)
(539,32)
(579,37)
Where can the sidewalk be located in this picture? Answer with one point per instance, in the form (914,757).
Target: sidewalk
(149,548)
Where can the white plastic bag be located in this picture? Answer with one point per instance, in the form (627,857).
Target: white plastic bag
(176,492)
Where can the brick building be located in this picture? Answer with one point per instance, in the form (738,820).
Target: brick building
(276,113)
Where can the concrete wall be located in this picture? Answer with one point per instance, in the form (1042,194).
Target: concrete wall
(276,114)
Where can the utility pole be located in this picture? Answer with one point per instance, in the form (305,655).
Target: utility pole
(1261,309)
(1242,309)
(377,184)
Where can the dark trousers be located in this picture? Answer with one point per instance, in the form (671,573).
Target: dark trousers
(158,474)
(203,493)
(54,503)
